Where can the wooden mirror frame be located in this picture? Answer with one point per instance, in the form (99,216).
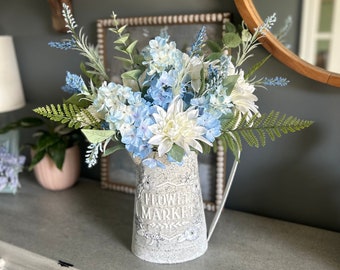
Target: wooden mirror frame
(252,19)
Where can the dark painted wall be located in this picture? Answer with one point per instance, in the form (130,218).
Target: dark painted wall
(296,178)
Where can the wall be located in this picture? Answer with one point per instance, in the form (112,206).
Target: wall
(295,179)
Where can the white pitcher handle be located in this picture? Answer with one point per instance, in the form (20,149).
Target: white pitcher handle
(225,195)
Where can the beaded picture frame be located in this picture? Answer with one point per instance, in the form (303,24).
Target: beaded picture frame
(118,170)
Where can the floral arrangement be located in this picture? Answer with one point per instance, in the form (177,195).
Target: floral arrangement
(10,166)
(169,102)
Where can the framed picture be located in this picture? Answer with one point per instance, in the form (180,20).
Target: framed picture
(118,170)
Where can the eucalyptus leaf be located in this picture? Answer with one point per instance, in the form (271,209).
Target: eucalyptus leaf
(231,40)
(246,35)
(138,59)
(230,27)
(124,60)
(113,149)
(79,100)
(92,75)
(122,40)
(131,74)
(177,153)
(121,49)
(121,29)
(229,83)
(97,136)
(214,46)
(131,47)
(215,55)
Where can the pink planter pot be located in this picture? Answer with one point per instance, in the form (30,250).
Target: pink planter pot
(51,178)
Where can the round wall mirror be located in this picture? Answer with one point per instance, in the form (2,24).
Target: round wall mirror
(253,19)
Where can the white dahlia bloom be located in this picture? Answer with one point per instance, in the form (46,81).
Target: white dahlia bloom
(176,126)
(242,95)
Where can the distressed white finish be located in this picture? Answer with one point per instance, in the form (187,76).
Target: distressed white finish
(169,223)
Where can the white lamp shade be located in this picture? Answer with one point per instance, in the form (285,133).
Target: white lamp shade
(11,90)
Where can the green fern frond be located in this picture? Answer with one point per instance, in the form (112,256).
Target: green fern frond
(69,114)
(256,130)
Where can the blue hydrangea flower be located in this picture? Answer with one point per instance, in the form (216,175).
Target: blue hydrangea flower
(137,143)
(159,96)
(212,126)
(160,55)
(153,163)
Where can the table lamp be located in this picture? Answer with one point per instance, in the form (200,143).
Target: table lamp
(11,91)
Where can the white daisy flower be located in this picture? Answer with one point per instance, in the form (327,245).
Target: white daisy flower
(176,126)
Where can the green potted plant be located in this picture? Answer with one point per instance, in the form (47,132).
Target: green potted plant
(55,154)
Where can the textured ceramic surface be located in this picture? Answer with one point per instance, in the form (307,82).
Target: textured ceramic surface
(169,222)
(50,177)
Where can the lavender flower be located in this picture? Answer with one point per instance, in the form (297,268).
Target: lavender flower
(199,41)
(63,45)
(74,84)
(276,81)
